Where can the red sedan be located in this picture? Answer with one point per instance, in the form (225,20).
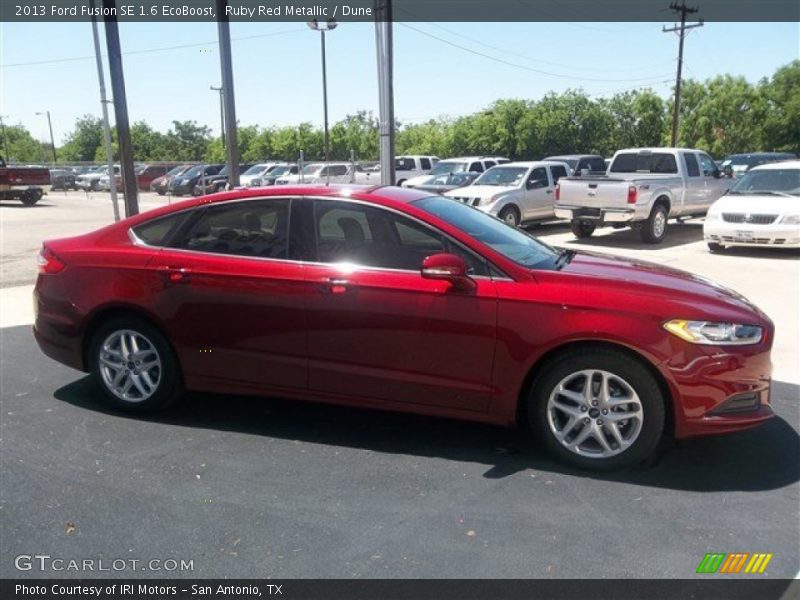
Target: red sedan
(391,298)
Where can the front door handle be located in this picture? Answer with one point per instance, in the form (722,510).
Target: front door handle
(175,274)
(337,285)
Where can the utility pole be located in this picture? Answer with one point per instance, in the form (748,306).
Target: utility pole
(52,140)
(120,112)
(383,44)
(104,104)
(226,64)
(221,112)
(683,10)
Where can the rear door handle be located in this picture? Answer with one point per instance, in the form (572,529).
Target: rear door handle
(174,273)
(336,285)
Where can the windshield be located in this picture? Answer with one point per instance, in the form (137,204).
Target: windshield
(255,170)
(448,167)
(176,170)
(572,162)
(766,181)
(196,170)
(509,241)
(311,169)
(505,176)
(278,171)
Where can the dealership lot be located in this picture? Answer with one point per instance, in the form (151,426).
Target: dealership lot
(247,487)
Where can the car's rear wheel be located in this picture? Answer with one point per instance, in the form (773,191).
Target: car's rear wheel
(654,229)
(582,229)
(134,365)
(598,409)
(510,215)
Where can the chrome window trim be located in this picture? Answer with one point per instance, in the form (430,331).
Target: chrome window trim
(137,241)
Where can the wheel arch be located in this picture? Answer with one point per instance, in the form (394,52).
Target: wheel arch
(662,198)
(541,364)
(102,314)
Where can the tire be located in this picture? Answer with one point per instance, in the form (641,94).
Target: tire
(582,229)
(654,229)
(30,197)
(549,410)
(164,374)
(510,215)
(400,182)
(715,247)
(161,193)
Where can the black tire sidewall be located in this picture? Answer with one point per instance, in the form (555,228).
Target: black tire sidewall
(506,210)
(581,229)
(628,368)
(648,227)
(170,388)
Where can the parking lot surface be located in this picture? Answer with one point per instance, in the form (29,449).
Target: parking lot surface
(251,487)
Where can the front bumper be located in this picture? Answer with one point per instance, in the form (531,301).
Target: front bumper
(744,234)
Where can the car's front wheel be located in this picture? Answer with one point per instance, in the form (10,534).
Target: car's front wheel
(510,215)
(597,409)
(133,364)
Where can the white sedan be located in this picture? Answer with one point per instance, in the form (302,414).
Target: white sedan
(762,209)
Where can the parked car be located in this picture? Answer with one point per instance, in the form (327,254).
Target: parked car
(321,173)
(735,165)
(256,171)
(517,192)
(217,183)
(150,173)
(160,185)
(440,184)
(183,184)
(762,209)
(475,164)
(22,183)
(89,181)
(62,179)
(269,176)
(429,306)
(405,167)
(643,189)
(582,164)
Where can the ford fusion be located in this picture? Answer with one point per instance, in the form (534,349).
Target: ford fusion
(393,299)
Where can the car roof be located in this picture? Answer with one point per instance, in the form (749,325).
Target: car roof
(532,163)
(781,164)
(562,156)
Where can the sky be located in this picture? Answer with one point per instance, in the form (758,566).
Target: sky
(440,69)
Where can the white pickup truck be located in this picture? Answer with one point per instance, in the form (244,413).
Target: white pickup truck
(642,188)
(405,168)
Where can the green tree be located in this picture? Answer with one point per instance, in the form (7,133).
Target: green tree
(84,140)
(359,133)
(22,147)
(781,97)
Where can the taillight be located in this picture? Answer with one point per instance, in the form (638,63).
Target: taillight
(558,191)
(633,193)
(48,262)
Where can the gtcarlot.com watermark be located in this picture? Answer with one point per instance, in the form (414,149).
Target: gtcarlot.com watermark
(48,563)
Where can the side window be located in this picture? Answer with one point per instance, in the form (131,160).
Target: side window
(158,232)
(373,237)
(249,228)
(692,170)
(557,173)
(425,164)
(338,170)
(537,179)
(294,170)
(708,166)
(597,164)
(489,164)
(476,167)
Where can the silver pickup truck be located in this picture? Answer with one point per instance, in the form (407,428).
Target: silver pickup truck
(642,188)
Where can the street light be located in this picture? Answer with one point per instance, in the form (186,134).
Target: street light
(221,111)
(322,27)
(50,126)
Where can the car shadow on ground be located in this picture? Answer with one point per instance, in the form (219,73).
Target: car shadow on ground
(753,252)
(678,234)
(19,204)
(760,459)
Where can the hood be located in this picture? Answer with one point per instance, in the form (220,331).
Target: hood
(694,296)
(483,192)
(415,181)
(757,204)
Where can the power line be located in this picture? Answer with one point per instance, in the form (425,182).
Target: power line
(148,50)
(517,65)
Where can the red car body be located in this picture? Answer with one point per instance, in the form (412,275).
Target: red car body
(392,339)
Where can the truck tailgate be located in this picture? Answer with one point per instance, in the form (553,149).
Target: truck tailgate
(599,192)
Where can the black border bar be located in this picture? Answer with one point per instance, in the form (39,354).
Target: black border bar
(405,10)
(704,587)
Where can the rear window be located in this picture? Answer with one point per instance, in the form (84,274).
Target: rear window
(651,162)
(158,232)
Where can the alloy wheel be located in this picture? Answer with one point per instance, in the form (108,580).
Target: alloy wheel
(130,365)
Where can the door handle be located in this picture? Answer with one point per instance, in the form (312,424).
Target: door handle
(336,285)
(175,274)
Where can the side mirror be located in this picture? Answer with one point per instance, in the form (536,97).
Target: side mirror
(447,267)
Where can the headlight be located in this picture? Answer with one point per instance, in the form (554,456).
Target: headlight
(489,200)
(713,215)
(714,334)
(791,220)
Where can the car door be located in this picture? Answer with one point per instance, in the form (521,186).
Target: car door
(695,190)
(713,183)
(378,330)
(538,195)
(232,298)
